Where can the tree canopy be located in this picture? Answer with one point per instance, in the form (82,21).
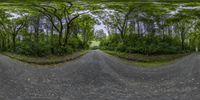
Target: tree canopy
(57,27)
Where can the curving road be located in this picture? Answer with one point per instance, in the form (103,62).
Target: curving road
(97,76)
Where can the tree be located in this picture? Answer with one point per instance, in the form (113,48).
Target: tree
(87,30)
(121,22)
(195,39)
(12,26)
(100,35)
(183,24)
(61,13)
(15,26)
(3,33)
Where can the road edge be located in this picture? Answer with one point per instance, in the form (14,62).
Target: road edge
(66,58)
(145,64)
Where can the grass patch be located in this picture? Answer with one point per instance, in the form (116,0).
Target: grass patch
(145,60)
(151,64)
(46,60)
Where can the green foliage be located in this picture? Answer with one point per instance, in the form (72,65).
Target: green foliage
(134,27)
(44,48)
(31,48)
(22,28)
(143,44)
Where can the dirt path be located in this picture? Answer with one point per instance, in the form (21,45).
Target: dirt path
(97,76)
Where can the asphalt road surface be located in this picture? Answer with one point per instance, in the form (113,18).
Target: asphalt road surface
(98,76)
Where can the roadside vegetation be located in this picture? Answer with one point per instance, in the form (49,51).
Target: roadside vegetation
(150,29)
(154,28)
(47,60)
(142,60)
(40,30)
(153,33)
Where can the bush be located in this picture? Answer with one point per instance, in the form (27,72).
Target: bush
(120,47)
(149,45)
(63,50)
(33,48)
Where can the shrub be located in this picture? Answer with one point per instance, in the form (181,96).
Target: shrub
(149,45)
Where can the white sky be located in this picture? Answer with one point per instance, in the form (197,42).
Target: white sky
(181,7)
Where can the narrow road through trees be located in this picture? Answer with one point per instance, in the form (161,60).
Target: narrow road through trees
(98,76)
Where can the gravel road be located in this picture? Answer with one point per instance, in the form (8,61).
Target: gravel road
(98,76)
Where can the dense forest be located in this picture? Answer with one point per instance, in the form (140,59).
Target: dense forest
(59,28)
(44,29)
(155,28)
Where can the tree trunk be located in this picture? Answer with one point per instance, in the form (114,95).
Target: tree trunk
(52,50)
(60,39)
(182,44)
(8,43)
(66,35)
(3,45)
(138,27)
(37,23)
(14,42)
